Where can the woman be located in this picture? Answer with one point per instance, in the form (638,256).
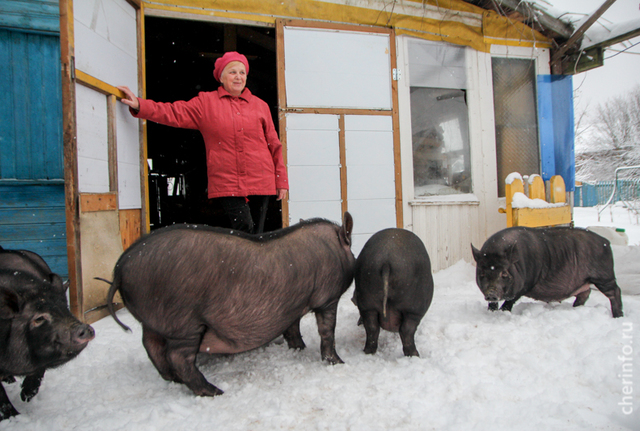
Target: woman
(244,154)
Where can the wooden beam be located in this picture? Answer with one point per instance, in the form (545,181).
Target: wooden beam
(546,21)
(112,143)
(556,58)
(339,111)
(342,142)
(395,119)
(70,150)
(282,104)
(144,155)
(98,85)
(92,202)
(539,217)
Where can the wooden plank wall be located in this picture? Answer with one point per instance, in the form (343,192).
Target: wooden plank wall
(447,230)
(32,202)
(38,15)
(30,108)
(32,217)
(130,226)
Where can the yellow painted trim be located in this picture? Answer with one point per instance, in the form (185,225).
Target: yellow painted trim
(536,188)
(452,21)
(511,189)
(557,190)
(537,217)
(98,85)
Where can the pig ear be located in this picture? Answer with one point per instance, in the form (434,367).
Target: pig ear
(56,281)
(346,229)
(9,303)
(477,255)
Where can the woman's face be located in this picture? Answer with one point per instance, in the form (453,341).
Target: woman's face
(234,78)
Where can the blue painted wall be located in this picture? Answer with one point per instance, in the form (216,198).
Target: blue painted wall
(32,201)
(31,15)
(30,107)
(556,123)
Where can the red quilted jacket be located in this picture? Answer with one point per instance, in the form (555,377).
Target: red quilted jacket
(244,154)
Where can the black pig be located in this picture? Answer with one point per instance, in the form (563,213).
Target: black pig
(30,263)
(549,264)
(212,290)
(394,286)
(36,328)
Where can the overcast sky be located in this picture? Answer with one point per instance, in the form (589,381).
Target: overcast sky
(620,72)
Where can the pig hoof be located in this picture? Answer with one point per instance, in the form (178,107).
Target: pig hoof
(411,352)
(7,411)
(296,344)
(370,350)
(493,306)
(28,393)
(333,360)
(210,391)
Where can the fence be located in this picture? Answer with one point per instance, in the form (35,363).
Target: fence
(589,195)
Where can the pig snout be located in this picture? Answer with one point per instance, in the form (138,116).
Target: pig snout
(492,295)
(81,334)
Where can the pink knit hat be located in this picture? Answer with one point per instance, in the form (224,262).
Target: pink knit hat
(227,58)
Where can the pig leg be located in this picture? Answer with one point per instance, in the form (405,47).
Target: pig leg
(582,297)
(6,408)
(612,291)
(181,354)
(156,347)
(372,328)
(293,336)
(31,385)
(508,305)
(407,334)
(326,320)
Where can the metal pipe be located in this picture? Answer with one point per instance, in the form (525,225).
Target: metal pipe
(615,186)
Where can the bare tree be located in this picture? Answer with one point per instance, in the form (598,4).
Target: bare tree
(613,138)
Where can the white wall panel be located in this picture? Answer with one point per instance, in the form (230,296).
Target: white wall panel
(129,181)
(370,182)
(330,210)
(317,147)
(328,68)
(105,36)
(370,174)
(91,118)
(106,41)
(313,163)
(447,230)
(314,183)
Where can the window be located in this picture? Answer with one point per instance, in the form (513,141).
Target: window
(516,118)
(439,119)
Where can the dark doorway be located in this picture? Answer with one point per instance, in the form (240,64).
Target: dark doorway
(180,57)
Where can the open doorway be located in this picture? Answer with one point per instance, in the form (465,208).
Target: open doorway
(180,56)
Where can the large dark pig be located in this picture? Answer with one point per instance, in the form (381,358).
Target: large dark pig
(30,263)
(203,289)
(550,264)
(36,328)
(394,286)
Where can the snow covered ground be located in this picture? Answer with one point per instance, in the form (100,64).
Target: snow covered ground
(541,367)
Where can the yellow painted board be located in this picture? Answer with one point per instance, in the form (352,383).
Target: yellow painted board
(452,21)
(536,188)
(536,217)
(557,193)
